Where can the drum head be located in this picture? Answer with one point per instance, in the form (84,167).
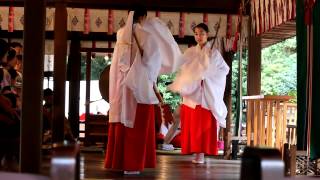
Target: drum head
(104,83)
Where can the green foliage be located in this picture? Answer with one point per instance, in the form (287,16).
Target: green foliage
(173,99)
(278,73)
(235,75)
(279,69)
(97,66)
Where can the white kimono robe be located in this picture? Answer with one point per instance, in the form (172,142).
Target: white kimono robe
(208,67)
(131,75)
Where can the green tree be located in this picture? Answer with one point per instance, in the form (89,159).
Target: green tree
(235,76)
(98,63)
(173,99)
(279,71)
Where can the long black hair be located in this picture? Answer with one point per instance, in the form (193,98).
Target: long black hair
(202,26)
(11,54)
(205,28)
(139,11)
(4,47)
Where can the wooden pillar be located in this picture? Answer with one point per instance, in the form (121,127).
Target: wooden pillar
(88,79)
(31,115)
(74,73)
(254,65)
(59,75)
(228,57)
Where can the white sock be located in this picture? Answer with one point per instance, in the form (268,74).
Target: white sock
(131,172)
(201,157)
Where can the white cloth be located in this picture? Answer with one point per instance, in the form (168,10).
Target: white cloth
(170,53)
(120,98)
(132,75)
(202,79)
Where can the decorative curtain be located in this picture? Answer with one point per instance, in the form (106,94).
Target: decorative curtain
(267,14)
(308,69)
(315,121)
(110,20)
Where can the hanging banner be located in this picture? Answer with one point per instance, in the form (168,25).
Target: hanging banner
(86,21)
(182,22)
(11,19)
(205,18)
(267,14)
(110,22)
(157,13)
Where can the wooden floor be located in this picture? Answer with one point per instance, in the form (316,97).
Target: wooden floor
(168,167)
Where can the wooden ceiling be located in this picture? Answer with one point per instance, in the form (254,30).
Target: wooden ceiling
(279,33)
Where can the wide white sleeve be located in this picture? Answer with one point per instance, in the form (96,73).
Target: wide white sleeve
(190,89)
(214,87)
(213,95)
(144,69)
(139,82)
(169,51)
(122,49)
(151,58)
(191,72)
(217,64)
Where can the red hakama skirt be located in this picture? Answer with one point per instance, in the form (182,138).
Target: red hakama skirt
(133,149)
(198,131)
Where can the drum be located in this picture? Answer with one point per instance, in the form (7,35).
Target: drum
(104,83)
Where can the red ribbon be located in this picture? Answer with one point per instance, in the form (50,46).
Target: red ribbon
(86,21)
(157,13)
(293,12)
(282,11)
(254,18)
(264,16)
(182,24)
(269,11)
(260,18)
(110,22)
(275,10)
(205,18)
(229,26)
(288,10)
(308,7)
(11,19)
(237,35)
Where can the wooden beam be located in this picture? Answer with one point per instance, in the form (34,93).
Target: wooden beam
(31,118)
(209,6)
(60,54)
(225,6)
(92,36)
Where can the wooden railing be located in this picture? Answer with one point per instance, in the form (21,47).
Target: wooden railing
(266,120)
(291,123)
